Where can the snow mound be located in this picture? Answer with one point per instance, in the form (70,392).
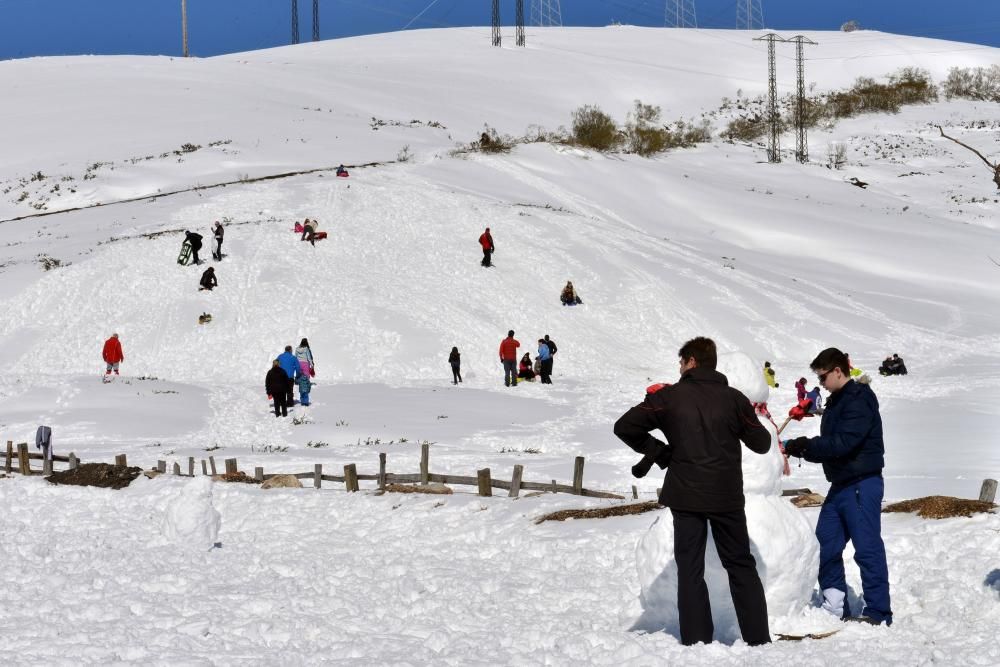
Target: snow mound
(191,519)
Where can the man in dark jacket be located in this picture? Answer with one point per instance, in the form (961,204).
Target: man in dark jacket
(486,241)
(290,364)
(852,452)
(195,241)
(276,385)
(219,234)
(704,420)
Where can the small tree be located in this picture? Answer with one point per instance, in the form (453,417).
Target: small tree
(850,26)
(643,133)
(836,155)
(594,129)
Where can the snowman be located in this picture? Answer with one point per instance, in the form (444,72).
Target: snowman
(781,539)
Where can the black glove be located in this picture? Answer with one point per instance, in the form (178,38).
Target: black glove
(642,467)
(796,447)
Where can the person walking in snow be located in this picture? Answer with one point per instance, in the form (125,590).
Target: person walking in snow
(208,279)
(305,387)
(290,365)
(486,241)
(552,351)
(545,357)
(195,241)
(769,375)
(508,357)
(304,356)
(218,233)
(113,355)
(455,359)
(704,420)
(276,386)
(852,452)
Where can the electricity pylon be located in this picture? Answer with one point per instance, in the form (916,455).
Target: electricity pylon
(749,15)
(679,14)
(546,13)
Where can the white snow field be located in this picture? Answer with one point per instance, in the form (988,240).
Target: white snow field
(775,262)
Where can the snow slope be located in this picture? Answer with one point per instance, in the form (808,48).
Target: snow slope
(776,261)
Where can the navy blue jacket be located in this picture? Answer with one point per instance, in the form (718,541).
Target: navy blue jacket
(850,444)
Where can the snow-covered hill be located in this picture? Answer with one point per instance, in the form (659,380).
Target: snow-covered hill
(776,261)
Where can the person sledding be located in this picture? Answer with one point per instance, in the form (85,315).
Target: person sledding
(194,240)
(113,355)
(568,297)
(486,242)
(309,230)
(342,172)
(892,366)
(208,280)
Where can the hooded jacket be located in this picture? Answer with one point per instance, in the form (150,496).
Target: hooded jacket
(112,352)
(704,420)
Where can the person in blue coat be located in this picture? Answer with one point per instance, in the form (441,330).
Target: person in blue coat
(544,357)
(852,452)
(290,365)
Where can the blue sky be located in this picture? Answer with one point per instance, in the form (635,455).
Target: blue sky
(59,27)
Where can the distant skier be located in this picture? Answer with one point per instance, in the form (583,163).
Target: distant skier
(486,241)
(195,242)
(218,233)
(208,279)
(545,357)
(508,357)
(769,375)
(568,297)
(455,359)
(290,365)
(276,385)
(304,355)
(113,355)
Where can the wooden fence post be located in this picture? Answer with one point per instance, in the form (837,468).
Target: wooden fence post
(485,482)
(10,457)
(554,489)
(121,460)
(191,466)
(211,463)
(231,467)
(381,471)
(515,481)
(318,475)
(74,462)
(635,493)
(177,468)
(425,463)
(204,467)
(351,477)
(258,474)
(988,492)
(578,476)
(46,465)
(23,463)
(161,466)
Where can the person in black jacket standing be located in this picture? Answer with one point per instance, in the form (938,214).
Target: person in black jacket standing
(704,420)
(195,241)
(276,385)
(852,452)
(219,234)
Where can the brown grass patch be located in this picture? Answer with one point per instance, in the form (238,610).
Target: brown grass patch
(940,507)
(434,489)
(238,476)
(617,510)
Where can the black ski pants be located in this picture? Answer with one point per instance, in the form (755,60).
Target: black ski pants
(290,398)
(546,371)
(486,257)
(280,405)
(456,373)
(729,530)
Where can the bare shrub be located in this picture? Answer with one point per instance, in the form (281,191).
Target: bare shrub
(491,141)
(643,133)
(975,83)
(836,155)
(746,128)
(594,129)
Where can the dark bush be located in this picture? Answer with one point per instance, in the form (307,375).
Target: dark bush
(594,129)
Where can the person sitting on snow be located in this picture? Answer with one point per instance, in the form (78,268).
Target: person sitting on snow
(341,171)
(892,366)
(208,279)
(524,369)
(309,231)
(568,296)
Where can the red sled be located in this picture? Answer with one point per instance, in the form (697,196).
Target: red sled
(319,236)
(342,174)
(299,228)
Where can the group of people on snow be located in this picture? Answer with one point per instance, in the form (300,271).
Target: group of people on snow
(193,240)
(525,370)
(892,366)
(704,420)
(289,370)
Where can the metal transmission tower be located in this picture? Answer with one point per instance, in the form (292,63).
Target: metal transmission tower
(520,22)
(295,21)
(496,22)
(315,20)
(773,119)
(546,13)
(749,15)
(679,14)
(184,26)
(801,138)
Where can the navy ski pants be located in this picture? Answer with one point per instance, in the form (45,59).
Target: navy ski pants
(854,512)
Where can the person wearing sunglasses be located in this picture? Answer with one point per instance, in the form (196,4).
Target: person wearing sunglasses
(852,452)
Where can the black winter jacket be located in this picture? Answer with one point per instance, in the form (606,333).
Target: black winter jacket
(704,420)
(276,382)
(850,444)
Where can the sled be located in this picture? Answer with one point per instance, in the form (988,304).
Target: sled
(185,255)
(342,174)
(204,318)
(809,635)
(299,228)
(319,236)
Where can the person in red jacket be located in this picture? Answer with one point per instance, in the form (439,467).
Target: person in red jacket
(508,357)
(113,354)
(486,241)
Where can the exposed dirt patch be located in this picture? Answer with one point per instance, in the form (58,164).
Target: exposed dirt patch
(238,476)
(617,510)
(940,507)
(104,475)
